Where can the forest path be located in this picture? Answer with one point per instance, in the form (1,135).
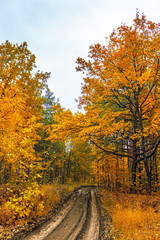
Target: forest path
(79,219)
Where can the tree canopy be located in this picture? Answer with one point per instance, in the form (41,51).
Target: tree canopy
(120,97)
(20,109)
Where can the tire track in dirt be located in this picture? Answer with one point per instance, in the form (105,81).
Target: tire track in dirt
(94,223)
(78,220)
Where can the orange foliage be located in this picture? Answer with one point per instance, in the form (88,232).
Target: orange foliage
(20,106)
(120,97)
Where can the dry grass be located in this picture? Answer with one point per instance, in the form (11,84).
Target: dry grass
(135,217)
(50,196)
(17,206)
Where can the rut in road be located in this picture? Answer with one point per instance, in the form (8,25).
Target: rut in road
(78,220)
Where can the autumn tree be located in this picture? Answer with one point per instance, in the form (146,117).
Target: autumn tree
(52,154)
(120,97)
(20,110)
(80,161)
(125,77)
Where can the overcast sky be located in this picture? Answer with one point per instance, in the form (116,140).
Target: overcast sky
(60,31)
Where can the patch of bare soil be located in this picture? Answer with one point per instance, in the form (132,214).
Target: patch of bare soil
(79,217)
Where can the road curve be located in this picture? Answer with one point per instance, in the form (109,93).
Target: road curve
(79,219)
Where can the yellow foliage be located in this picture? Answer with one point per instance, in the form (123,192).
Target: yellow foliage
(20,109)
(25,206)
(121,100)
(134,216)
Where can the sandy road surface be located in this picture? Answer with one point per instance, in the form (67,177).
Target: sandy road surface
(79,219)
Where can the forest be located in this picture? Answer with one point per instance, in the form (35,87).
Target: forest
(112,141)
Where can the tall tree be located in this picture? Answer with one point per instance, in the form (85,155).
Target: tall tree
(126,74)
(20,110)
(121,95)
(52,154)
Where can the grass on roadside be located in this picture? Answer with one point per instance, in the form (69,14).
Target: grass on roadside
(135,217)
(20,205)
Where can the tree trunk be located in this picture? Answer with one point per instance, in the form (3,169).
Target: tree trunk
(149,175)
(133,183)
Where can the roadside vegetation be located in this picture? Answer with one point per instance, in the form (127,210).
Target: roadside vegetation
(134,216)
(20,206)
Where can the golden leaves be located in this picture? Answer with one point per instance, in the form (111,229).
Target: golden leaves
(20,107)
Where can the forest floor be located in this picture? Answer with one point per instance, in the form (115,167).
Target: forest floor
(134,216)
(79,216)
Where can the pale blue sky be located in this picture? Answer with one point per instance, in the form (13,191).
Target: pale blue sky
(60,31)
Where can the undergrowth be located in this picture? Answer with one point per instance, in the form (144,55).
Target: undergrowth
(19,205)
(135,217)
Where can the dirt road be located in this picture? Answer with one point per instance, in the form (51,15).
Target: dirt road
(79,219)
(78,216)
